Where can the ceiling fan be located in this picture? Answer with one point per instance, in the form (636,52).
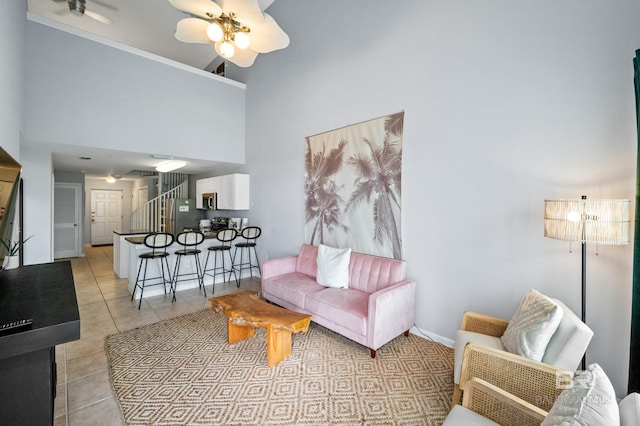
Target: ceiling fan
(238,29)
(79,8)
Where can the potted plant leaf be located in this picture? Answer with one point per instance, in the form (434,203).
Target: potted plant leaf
(11,260)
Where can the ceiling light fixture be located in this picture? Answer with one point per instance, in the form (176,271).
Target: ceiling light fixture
(111,179)
(170,166)
(238,35)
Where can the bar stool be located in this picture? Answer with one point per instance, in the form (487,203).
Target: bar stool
(190,241)
(225,237)
(250,234)
(158,243)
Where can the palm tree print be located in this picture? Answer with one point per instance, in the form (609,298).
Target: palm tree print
(362,164)
(323,204)
(378,182)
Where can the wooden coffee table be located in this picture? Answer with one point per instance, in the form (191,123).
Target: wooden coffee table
(245,311)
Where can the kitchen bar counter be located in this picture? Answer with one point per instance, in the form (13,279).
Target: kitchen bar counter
(134,246)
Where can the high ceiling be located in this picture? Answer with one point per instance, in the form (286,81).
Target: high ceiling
(148,25)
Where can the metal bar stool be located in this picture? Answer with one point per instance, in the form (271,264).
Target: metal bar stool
(190,241)
(158,243)
(250,234)
(225,236)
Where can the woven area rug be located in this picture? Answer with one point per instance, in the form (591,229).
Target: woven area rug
(183,372)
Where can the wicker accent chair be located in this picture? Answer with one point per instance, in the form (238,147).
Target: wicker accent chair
(479,353)
(486,404)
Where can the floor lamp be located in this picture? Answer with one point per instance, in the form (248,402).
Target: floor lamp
(587,222)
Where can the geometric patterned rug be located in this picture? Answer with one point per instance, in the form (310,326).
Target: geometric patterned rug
(182,372)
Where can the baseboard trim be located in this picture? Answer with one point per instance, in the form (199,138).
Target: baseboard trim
(425,334)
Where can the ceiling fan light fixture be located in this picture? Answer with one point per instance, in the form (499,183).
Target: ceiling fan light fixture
(241,39)
(226,49)
(111,179)
(214,31)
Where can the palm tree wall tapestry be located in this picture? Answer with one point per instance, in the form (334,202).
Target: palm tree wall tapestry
(352,187)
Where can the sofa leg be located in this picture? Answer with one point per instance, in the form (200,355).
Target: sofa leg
(373,353)
(457,394)
(406,333)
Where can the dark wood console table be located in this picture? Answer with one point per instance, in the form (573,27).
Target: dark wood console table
(46,294)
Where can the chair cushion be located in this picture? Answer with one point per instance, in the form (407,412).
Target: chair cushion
(590,400)
(569,342)
(464,337)
(462,416)
(630,410)
(333,266)
(532,326)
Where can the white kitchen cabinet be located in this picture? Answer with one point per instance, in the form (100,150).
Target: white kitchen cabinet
(203,186)
(233,191)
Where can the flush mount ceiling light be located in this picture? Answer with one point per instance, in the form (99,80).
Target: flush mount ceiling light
(170,166)
(239,30)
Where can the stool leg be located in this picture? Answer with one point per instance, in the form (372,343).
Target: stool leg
(200,275)
(174,283)
(137,279)
(232,269)
(144,277)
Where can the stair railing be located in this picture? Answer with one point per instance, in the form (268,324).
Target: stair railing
(152,216)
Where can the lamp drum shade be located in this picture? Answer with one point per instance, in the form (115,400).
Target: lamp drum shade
(594,221)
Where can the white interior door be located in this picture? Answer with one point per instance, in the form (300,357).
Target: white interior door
(106,215)
(67,208)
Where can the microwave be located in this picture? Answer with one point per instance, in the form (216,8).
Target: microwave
(210,201)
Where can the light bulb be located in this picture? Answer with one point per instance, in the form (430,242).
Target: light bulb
(111,179)
(241,39)
(226,49)
(214,32)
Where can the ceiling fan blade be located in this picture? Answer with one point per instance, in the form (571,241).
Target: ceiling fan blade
(247,12)
(192,30)
(242,58)
(267,36)
(197,7)
(100,18)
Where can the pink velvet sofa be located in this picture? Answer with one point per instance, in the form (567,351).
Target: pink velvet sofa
(378,306)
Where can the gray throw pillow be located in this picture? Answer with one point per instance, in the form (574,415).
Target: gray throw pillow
(532,326)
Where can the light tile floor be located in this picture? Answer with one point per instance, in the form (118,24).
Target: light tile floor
(84,394)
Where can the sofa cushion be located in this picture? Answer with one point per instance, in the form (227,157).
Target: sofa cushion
(372,273)
(345,307)
(532,326)
(307,260)
(590,401)
(630,410)
(291,287)
(333,266)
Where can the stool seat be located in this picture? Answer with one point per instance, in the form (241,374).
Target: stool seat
(158,243)
(190,240)
(225,237)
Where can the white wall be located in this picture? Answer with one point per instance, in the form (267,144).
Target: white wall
(12,69)
(506,104)
(85,93)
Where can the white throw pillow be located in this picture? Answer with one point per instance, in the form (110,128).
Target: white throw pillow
(532,326)
(333,266)
(590,400)
(630,410)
